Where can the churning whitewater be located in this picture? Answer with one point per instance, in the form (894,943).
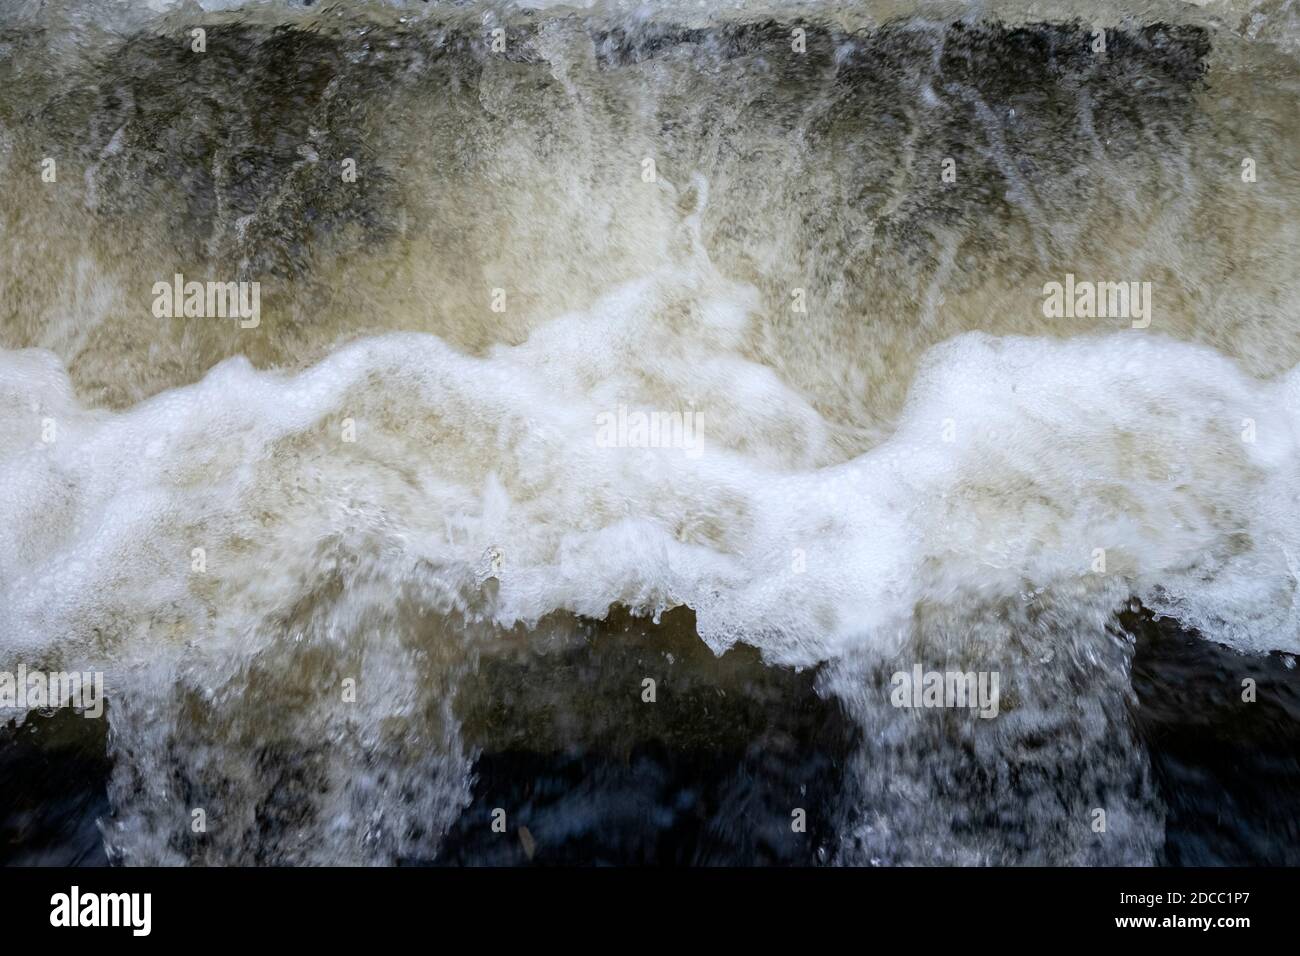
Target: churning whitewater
(888,452)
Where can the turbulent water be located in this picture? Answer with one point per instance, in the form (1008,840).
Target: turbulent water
(364,570)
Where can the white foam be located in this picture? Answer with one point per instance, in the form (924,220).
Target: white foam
(1128,443)
(476,496)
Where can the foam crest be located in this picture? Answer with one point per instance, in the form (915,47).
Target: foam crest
(1013,461)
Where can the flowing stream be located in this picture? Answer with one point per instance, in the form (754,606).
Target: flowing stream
(705,344)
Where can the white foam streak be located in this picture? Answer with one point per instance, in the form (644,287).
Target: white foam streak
(1127,443)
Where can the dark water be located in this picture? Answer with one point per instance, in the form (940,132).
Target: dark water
(1227,773)
(705,778)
